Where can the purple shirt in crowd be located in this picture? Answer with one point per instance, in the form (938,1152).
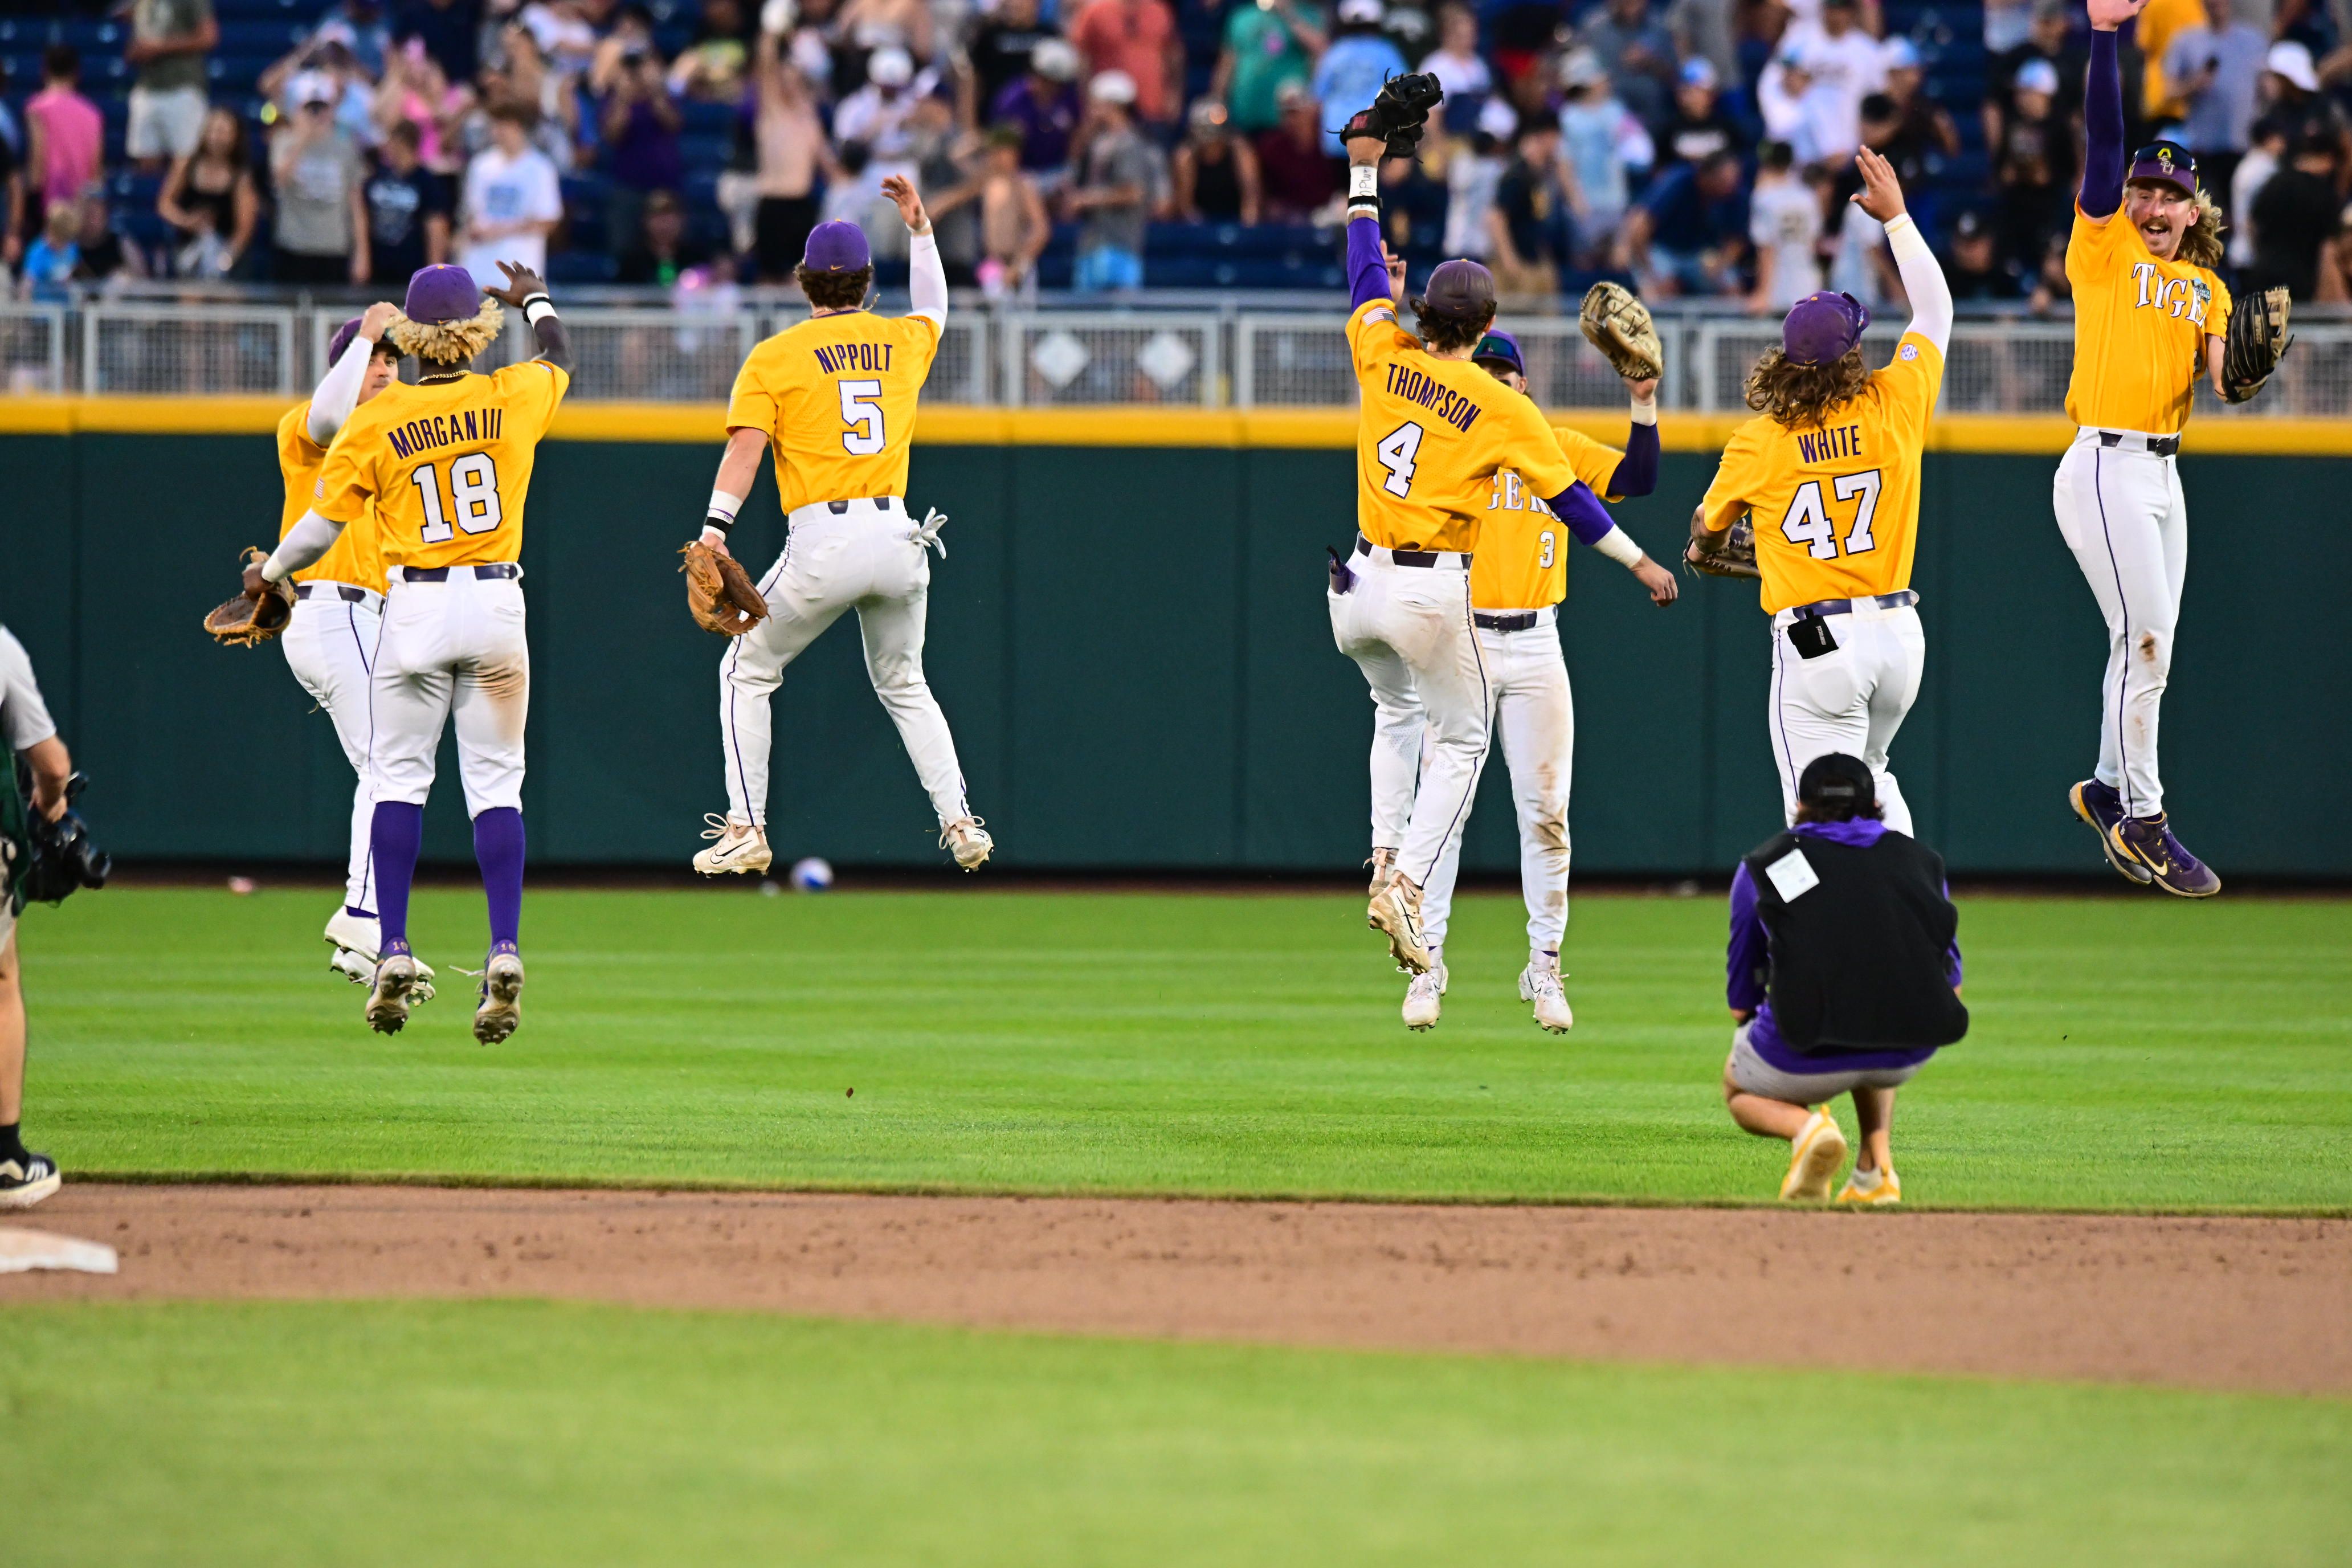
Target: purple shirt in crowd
(1744,966)
(1047,121)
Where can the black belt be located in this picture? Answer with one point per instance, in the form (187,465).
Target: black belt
(1845,606)
(344,591)
(1524,621)
(441,573)
(1410,557)
(2156,445)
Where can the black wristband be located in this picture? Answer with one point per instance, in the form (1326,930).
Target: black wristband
(719,521)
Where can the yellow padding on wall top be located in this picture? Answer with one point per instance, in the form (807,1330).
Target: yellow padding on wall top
(1131,426)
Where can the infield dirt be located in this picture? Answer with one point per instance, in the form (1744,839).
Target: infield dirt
(2218,1303)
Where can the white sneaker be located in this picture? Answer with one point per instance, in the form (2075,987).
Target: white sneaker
(1539,984)
(1383,864)
(1395,910)
(967,841)
(741,847)
(355,933)
(388,996)
(501,1007)
(1424,999)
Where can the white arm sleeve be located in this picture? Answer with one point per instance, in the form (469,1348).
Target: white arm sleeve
(338,391)
(303,544)
(1922,279)
(927,279)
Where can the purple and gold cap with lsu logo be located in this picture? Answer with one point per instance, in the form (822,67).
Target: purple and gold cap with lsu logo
(342,339)
(1822,327)
(2164,163)
(836,246)
(1499,347)
(441,294)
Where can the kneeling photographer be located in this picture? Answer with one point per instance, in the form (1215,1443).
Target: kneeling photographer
(1844,977)
(45,854)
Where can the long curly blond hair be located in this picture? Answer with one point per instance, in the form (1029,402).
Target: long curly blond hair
(2200,243)
(448,342)
(1799,397)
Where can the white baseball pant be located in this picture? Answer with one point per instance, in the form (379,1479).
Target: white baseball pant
(1408,628)
(2122,514)
(329,645)
(1533,718)
(864,556)
(1851,699)
(452,645)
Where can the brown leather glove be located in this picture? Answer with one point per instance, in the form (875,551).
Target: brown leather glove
(719,593)
(259,611)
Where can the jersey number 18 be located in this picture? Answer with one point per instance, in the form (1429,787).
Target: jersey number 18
(473,490)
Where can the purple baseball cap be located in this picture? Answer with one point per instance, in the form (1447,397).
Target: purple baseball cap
(1460,288)
(1820,327)
(2164,163)
(1499,347)
(442,293)
(836,246)
(342,339)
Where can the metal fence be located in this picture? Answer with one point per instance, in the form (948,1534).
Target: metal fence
(1230,357)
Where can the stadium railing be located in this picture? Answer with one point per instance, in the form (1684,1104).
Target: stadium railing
(1200,352)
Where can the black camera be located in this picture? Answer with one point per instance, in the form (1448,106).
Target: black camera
(62,860)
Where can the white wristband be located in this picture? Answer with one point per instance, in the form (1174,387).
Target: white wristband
(272,570)
(1363,180)
(1618,545)
(1646,413)
(537,307)
(725,505)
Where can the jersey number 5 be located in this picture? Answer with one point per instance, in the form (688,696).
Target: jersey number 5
(1808,522)
(861,410)
(1397,452)
(474,489)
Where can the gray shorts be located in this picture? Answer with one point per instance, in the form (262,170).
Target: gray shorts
(1753,1074)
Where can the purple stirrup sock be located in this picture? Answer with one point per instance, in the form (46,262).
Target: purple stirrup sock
(396,834)
(498,845)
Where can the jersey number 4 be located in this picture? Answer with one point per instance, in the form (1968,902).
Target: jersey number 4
(473,492)
(1808,522)
(1397,452)
(861,410)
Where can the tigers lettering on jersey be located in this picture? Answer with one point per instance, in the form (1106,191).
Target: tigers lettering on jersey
(1836,506)
(2140,326)
(1522,560)
(1431,435)
(837,396)
(354,557)
(445,467)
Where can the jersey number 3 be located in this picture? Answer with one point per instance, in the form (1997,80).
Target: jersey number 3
(861,410)
(1398,451)
(473,490)
(1808,522)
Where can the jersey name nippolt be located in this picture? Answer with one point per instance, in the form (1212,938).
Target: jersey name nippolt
(838,357)
(445,429)
(1835,441)
(1448,404)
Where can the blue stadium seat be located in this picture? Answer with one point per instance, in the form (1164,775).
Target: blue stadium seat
(578,266)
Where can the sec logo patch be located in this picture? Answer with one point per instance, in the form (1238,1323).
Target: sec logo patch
(1908,351)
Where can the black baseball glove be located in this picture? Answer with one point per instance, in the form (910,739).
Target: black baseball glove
(59,858)
(2258,340)
(1399,114)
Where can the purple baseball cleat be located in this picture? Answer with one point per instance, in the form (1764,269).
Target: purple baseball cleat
(2099,805)
(2149,840)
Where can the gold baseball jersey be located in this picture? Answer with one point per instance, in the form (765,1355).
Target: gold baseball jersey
(835,396)
(446,467)
(1431,435)
(1522,560)
(353,558)
(2140,326)
(1836,508)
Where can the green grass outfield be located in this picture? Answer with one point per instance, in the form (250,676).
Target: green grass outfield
(521,1433)
(2128,1052)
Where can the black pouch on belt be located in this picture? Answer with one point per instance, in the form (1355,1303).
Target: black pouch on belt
(1342,578)
(1810,636)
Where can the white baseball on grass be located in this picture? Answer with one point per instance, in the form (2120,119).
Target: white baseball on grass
(812,875)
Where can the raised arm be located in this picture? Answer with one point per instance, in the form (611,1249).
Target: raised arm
(1637,471)
(2103,112)
(526,291)
(926,276)
(339,389)
(1368,273)
(1922,279)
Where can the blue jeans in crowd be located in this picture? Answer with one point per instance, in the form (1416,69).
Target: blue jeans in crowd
(1108,269)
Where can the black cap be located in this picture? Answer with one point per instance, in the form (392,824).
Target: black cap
(1837,785)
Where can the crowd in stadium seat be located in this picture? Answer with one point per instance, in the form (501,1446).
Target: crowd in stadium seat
(1701,148)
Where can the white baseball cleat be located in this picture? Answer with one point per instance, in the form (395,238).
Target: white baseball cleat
(389,996)
(501,1008)
(967,841)
(1395,910)
(354,939)
(1424,999)
(1539,984)
(1383,864)
(356,933)
(739,847)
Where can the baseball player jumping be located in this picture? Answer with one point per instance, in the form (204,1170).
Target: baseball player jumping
(1433,431)
(1518,579)
(2150,318)
(444,465)
(330,634)
(1829,471)
(834,397)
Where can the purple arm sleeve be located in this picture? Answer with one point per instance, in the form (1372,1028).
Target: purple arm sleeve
(1579,507)
(1743,966)
(2102,130)
(1952,968)
(1637,471)
(1368,276)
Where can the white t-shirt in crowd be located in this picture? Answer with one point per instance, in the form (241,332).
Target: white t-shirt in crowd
(499,190)
(1462,76)
(1846,70)
(1784,219)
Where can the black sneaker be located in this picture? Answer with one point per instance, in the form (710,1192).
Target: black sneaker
(26,1179)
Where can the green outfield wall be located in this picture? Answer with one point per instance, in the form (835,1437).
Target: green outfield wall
(1132,647)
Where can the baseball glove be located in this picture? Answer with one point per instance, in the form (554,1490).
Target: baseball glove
(1619,326)
(1736,559)
(720,592)
(258,613)
(2258,340)
(1399,113)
